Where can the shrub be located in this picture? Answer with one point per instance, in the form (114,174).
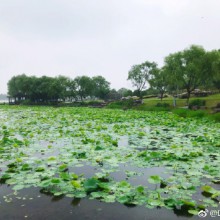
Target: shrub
(94,102)
(189,113)
(26,102)
(197,103)
(197,114)
(215,117)
(145,107)
(121,104)
(163,105)
(181,112)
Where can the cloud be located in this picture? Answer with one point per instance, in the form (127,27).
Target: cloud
(97,37)
(168,7)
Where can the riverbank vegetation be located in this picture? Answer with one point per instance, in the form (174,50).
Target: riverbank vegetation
(191,72)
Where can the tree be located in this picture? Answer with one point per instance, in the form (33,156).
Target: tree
(12,88)
(212,67)
(71,90)
(113,95)
(125,92)
(216,80)
(19,87)
(62,85)
(185,68)
(53,89)
(35,89)
(46,89)
(84,86)
(140,74)
(101,87)
(159,81)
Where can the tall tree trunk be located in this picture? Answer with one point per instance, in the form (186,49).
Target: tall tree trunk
(188,96)
(139,93)
(161,96)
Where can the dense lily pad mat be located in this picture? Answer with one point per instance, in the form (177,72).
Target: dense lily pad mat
(44,147)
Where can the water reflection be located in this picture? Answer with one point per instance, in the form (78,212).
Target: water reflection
(182,211)
(123,141)
(76,202)
(41,206)
(37,204)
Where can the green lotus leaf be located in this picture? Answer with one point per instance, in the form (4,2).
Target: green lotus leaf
(55,180)
(193,211)
(154,179)
(65,176)
(154,202)
(91,185)
(140,189)
(208,189)
(76,183)
(63,167)
(18,187)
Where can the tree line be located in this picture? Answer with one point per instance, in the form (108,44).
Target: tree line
(61,88)
(187,70)
(52,89)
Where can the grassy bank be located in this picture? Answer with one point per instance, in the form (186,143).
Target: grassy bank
(211,101)
(155,104)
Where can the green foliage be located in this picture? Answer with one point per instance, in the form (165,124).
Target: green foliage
(124,104)
(154,179)
(190,69)
(197,114)
(113,95)
(212,65)
(159,81)
(91,185)
(215,117)
(189,113)
(210,190)
(49,90)
(84,86)
(101,87)
(125,92)
(197,103)
(93,103)
(163,105)
(26,102)
(145,107)
(72,152)
(140,74)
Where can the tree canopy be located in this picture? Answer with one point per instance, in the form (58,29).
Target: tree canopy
(159,81)
(51,89)
(102,87)
(140,74)
(186,70)
(191,68)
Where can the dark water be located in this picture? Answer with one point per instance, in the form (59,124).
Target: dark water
(31,204)
(89,171)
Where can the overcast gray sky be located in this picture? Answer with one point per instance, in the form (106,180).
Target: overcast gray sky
(99,37)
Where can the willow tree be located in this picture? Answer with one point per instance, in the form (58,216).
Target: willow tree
(140,74)
(186,69)
(159,81)
(101,87)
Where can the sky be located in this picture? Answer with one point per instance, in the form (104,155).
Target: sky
(100,37)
